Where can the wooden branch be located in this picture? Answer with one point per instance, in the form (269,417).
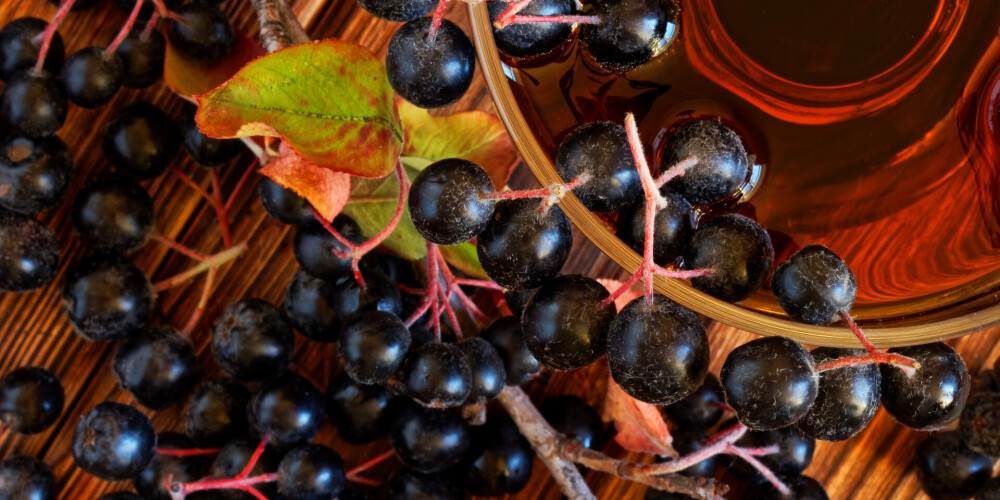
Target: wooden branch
(279,27)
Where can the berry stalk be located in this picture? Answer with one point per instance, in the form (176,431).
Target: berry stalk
(194,452)
(436,20)
(50,31)
(875,355)
(520,19)
(123,33)
(150,25)
(212,261)
(550,195)
(354,475)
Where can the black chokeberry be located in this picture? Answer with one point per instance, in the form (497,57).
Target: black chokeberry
(378,294)
(631,32)
(846,400)
(149,482)
(20,46)
(980,424)
(33,104)
(29,253)
(309,304)
(658,354)
(399,11)
(27,478)
(207,151)
(204,34)
(362,413)
(523,247)
(700,409)
(216,412)
(141,141)
(430,440)
(722,165)
(288,409)
(445,203)
(563,325)
(31,400)
(253,340)
(284,205)
(499,458)
(814,285)
(156,366)
(408,484)
(739,253)
(934,396)
(505,335)
(430,73)
(947,468)
(106,297)
(314,246)
(311,472)
(601,150)
(575,419)
(113,213)
(373,345)
(34,173)
(488,374)
(142,58)
(802,488)
(795,452)
(673,227)
(438,375)
(522,40)
(114,442)
(92,77)
(234,457)
(990,490)
(769,382)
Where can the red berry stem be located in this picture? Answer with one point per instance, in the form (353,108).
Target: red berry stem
(512,9)
(354,476)
(875,355)
(220,209)
(50,31)
(174,245)
(199,310)
(761,468)
(193,452)
(251,168)
(194,185)
(150,25)
(437,19)
(180,491)
(479,283)
(564,19)
(126,29)
(654,203)
(166,13)
(213,261)
(455,289)
(255,457)
(550,195)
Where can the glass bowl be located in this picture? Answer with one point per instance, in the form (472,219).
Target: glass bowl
(964,309)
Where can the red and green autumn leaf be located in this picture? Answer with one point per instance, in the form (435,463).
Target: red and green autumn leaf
(325,189)
(640,425)
(187,76)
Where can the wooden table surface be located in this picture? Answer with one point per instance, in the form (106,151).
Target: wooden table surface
(34,330)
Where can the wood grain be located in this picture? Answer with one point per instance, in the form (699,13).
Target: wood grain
(34,331)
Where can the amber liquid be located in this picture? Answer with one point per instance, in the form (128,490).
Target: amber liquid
(873,125)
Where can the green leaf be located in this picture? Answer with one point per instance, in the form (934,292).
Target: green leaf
(329,100)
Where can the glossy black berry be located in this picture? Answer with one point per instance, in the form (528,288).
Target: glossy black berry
(26,478)
(113,213)
(933,397)
(378,294)
(288,409)
(149,482)
(284,205)
(206,34)
(631,32)
(141,141)
(33,104)
(437,374)
(505,335)
(562,324)
(253,340)
(445,204)
(795,452)
(658,354)
(156,366)
(533,39)
(699,410)
(574,418)
(29,253)
(207,151)
(36,172)
(980,424)
(947,468)
(314,247)
(430,74)
(488,374)
(309,304)
(142,58)
(846,400)
(216,412)
(722,161)
(814,285)
(311,472)
(234,457)
(399,11)
(106,297)
(408,484)
(19,47)
(499,459)
(373,345)
(92,77)
(738,251)
(673,227)
(802,488)
(769,382)
(362,413)
(522,247)
(601,150)
(430,440)
(113,442)
(31,400)
(517,299)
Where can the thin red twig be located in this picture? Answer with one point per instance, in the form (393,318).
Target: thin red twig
(194,452)
(520,19)
(875,355)
(194,254)
(761,468)
(166,13)
(194,185)
(213,261)
(437,19)
(150,25)
(353,475)
(512,9)
(49,32)
(251,168)
(126,29)
(199,311)
(220,209)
